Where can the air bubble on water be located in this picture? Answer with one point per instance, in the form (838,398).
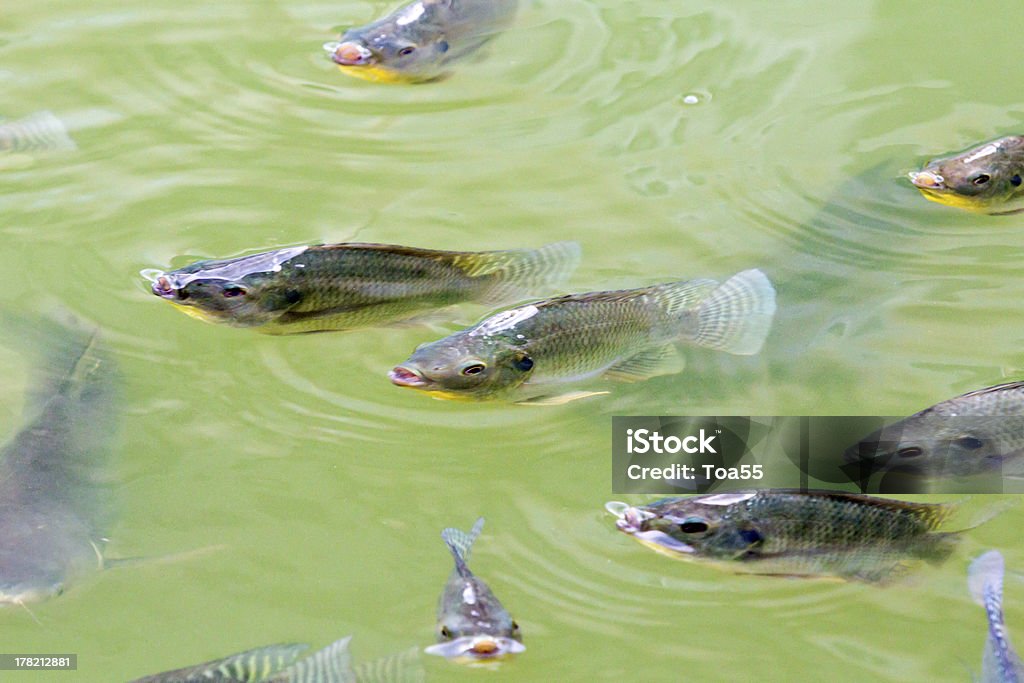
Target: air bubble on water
(691,99)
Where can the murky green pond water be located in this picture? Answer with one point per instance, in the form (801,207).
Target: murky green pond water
(206,130)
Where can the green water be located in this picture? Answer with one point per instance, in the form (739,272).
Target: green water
(210,129)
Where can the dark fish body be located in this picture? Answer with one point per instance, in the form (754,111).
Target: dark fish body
(1000,663)
(986,178)
(472,623)
(625,335)
(281,664)
(793,532)
(39,132)
(51,508)
(979,432)
(342,286)
(418,42)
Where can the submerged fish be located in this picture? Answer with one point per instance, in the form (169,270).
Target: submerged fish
(51,505)
(39,132)
(341,286)
(471,621)
(625,335)
(999,663)
(793,532)
(419,41)
(986,178)
(280,664)
(977,433)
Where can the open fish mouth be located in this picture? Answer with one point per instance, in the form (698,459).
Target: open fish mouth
(404,377)
(349,53)
(630,521)
(477,647)
(163,287)
(927,180)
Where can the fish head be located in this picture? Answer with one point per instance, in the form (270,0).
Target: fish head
(699,526)
(981,179)
(934,444)
(243,292)
(466,366)
(407,47)
(473,624)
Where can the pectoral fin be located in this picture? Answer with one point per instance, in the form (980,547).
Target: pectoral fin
(663,360)
(560,399)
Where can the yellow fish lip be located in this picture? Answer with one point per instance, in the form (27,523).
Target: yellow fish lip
(950,198)
(193,312)
(375,73)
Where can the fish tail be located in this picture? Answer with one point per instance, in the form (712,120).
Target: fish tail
(332,663)
(985,576)
(39,132)
(403,667)
(737,316)
(460,543)
(521,273)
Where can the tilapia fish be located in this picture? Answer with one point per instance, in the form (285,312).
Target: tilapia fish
(977,433)
(986,178)
(472,624)
(999,663)
(419,42)
(793,532)
(39,132)
(527,352)
(52,506)
(281,664)
(342,286)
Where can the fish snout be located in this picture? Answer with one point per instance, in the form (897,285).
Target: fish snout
(928,180)
(630,519)
(349,53)
(163,287)
(404,377)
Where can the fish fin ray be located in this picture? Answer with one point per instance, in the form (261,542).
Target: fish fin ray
(985,572)
(460,543)
(559,399)
(663,360)
(403,667)
(738,315)
(518,273)
(331,664)
(38,132)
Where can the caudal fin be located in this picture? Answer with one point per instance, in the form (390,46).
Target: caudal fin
(737,316)
(985,575)
(460,543)
(39,132)
(519,274)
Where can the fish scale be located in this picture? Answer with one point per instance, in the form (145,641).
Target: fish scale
(794,532)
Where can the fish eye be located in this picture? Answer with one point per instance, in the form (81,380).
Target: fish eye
(981,179)
(969,442)
(524,364)
(233,291)
(515,626)
(408,50)
(445,633)
(911,452)
(472,369)
(1015,181)
(693,525)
